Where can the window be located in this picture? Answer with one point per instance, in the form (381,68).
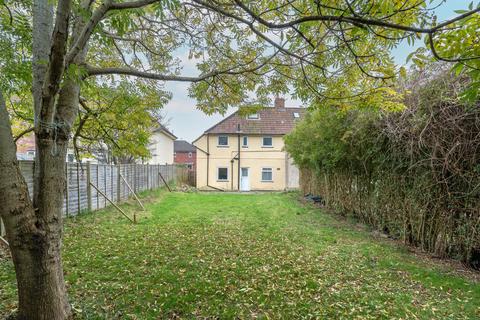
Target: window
(223,141)
(189,154)
(174,154)
(267,174)
(253,116)
(296,115)
(222,174)
(71,157)
(245,142)
(267,142)
(190,166)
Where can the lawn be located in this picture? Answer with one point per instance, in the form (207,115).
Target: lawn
(267,256)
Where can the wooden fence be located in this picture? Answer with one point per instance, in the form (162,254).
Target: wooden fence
(80,196)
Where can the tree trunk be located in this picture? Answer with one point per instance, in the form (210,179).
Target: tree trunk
(34,235)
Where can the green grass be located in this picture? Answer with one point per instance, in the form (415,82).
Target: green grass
(226,256)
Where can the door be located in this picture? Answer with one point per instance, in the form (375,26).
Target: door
(245,180)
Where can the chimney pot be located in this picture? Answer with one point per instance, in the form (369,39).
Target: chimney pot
(279,102)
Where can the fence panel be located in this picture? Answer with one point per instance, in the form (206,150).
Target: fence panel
(107,179)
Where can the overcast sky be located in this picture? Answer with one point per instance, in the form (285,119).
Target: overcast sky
(188,123)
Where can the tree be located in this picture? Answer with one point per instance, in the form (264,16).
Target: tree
(118,119)
(324,49)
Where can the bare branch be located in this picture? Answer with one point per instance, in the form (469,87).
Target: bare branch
(24,132)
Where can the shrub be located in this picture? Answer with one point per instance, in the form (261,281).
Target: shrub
(414,174)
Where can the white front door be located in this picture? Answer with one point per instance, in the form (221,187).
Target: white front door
(244,180)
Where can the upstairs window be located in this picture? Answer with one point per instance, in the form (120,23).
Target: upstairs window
(189,154)
(245,142)
(222,174)
(267,174)
(222,141)
(267,142)
(253,116)
(296,115)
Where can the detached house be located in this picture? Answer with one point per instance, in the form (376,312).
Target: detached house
(243,153)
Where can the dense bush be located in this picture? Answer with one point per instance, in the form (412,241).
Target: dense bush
(415,174)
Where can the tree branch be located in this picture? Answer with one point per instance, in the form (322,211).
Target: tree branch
(56,61)
(352,20)
(87,30)
(24,132)
(93,71)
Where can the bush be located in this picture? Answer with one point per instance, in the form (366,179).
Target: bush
(414,174)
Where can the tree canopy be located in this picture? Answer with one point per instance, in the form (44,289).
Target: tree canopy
(70,64)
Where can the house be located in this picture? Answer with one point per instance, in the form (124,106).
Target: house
(184,153)
(26,149)
(246,152)
(161,146)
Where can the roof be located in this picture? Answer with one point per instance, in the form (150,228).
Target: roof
(162,128)
(183,146)
(272,120)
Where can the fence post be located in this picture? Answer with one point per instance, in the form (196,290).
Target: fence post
(135,177)
(148,177)
(119,194)
(97,184)
(78,188)
(105,184)
(89,188)
(66,190)
(112,193)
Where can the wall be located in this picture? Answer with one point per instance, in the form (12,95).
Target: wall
(161,147)
(254,157)
(107,179)
(293,175)
(182,158)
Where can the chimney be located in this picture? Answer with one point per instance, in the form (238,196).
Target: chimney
(279,102)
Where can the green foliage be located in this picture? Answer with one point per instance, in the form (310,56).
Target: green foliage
(121,116)
(228,256)
(15,48)
(412,173)
(458,44)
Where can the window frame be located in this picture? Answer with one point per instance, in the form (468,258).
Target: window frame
(222,145)
(253,116)
(266,145)
(218,174)
(244,145)
(267,169)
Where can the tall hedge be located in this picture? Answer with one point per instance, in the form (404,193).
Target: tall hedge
(414,174)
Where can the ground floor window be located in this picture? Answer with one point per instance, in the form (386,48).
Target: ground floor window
(222,174)
(267,174)
(190,166)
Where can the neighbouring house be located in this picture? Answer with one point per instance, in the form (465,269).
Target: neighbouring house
(246,152)
(161,146)
(26,151)
(185,153)
(26,147)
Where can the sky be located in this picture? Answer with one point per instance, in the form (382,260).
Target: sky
(188,123)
